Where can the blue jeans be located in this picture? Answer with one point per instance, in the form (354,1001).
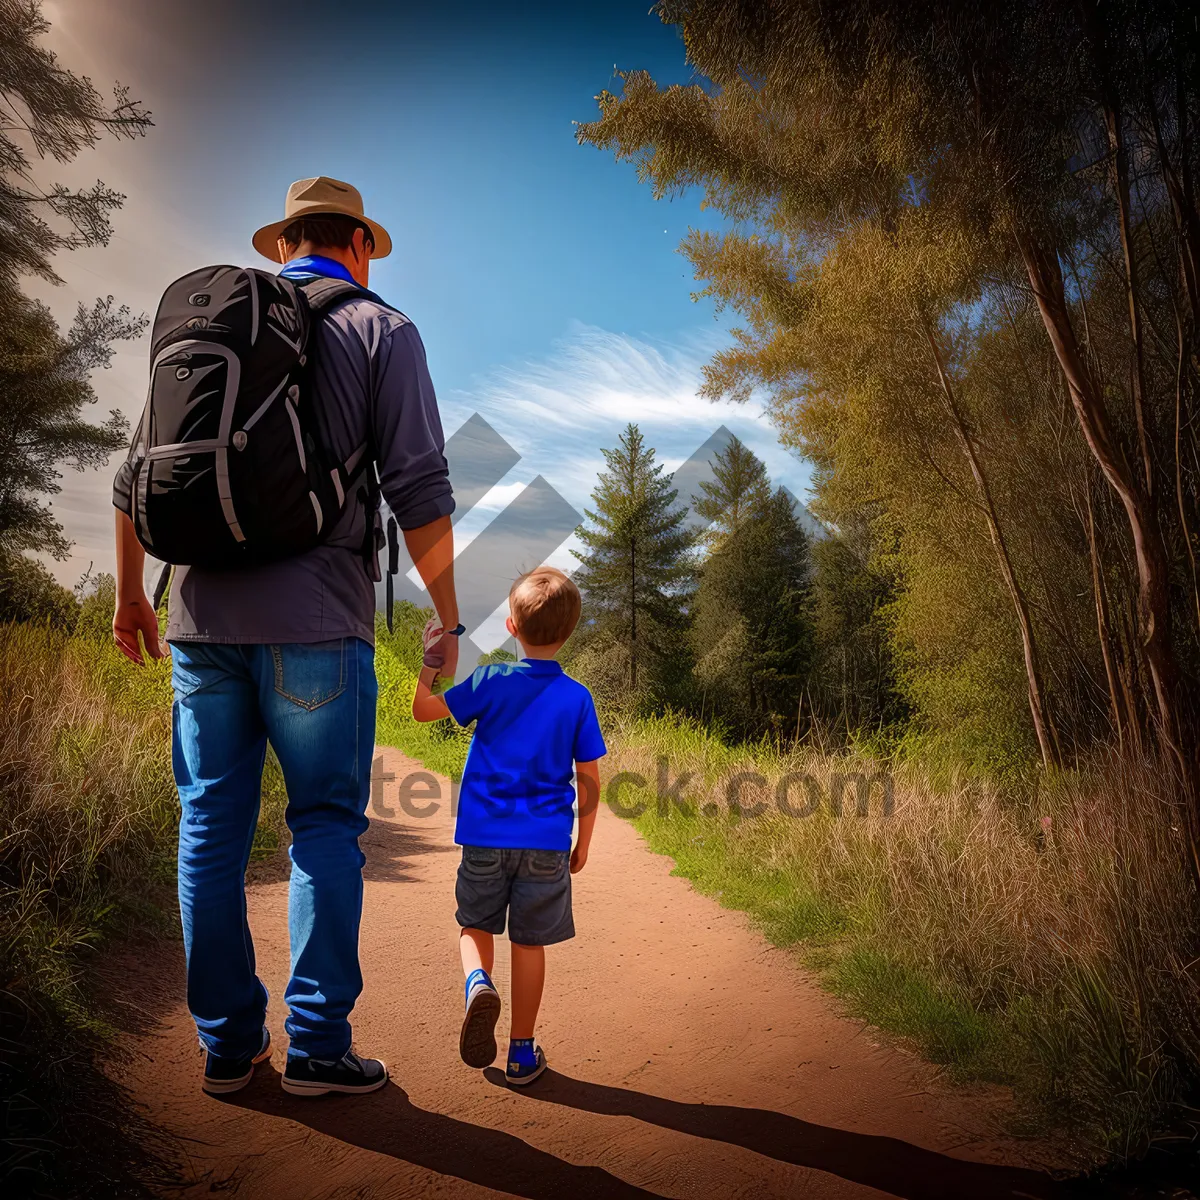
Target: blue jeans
(315,703)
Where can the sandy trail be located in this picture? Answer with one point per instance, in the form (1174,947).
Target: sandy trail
(689,1059)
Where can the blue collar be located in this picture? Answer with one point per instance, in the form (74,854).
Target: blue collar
(542,666)
(316,264)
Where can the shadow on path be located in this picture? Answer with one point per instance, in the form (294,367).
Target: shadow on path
(391,847)
(888,1164)
(387,1122)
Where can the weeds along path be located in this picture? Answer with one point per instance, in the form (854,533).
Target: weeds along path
(688,1059)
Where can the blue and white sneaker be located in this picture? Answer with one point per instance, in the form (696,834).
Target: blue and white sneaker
(225,1075)
(477,1040)
(526,1061)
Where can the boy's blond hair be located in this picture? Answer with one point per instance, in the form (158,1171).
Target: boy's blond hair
(545,606)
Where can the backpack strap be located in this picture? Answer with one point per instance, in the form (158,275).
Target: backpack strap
(326,292)
(323,294)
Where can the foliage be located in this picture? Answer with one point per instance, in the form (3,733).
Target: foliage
(963,242)
(88,818)
(50,113)
(28,592)
(752,629)
(44,374)
(854,677)
(739,488)
(636,572)
(440,746)
(1047,941)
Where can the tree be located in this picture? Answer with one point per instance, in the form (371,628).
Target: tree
(28,592)
(50,113)
(915,193)
(44,384)
(752,632)
(739,488)
(854,670)
(636,570)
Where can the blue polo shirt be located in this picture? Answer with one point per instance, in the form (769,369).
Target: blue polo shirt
(533,723)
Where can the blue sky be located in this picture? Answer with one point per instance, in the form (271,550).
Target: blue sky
(543,277)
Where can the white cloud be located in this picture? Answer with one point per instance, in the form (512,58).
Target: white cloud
(558,412)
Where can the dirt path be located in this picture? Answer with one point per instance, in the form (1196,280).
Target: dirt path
(689,1059)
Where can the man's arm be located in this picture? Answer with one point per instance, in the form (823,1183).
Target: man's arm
(431,548)
(134,613)
(587,786)
(410,453)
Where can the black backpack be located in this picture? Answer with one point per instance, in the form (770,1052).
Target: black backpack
(230,464)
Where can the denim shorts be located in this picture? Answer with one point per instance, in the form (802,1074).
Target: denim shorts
(531,887)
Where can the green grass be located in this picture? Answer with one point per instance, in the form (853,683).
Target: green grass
(88,830)
(1065,963)
(440,746)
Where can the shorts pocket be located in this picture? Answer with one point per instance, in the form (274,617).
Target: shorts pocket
(481,862)
(310,674)
(545,864)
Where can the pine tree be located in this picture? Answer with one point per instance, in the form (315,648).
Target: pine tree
(739,488)
(753,625)
(50,113)
(636,571)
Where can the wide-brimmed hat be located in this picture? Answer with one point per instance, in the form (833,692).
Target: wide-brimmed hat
(316,197)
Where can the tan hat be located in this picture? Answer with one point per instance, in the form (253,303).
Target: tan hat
(314,197)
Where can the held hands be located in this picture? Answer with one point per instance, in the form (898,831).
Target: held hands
(131,618)
(441,647)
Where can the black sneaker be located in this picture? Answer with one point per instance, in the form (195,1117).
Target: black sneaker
(351,1074)
(225,1075)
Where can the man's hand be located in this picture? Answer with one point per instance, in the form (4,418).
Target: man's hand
(578,858)
(441,649)
(431,547)
(132,617)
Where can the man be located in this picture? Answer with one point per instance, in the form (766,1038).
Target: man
(285,653)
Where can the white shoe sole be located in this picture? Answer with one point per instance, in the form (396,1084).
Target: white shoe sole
(222,1087)
(526,1079)
(296,1087)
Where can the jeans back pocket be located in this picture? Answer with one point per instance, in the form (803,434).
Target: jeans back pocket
(310,674)
(544,864)
(481,862)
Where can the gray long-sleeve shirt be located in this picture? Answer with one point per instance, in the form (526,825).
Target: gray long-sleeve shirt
(374,387)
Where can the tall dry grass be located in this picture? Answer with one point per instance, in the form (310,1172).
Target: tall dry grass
(1050,941)
(88,817)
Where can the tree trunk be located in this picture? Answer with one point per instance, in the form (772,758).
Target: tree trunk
(1037,707)
(1116,143)
(1102,623)
(1150,552)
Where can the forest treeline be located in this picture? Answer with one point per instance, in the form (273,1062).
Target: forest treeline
(964,245)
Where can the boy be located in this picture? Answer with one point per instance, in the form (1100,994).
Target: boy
(533,723)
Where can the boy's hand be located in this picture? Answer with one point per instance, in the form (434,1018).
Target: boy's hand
(578,858)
